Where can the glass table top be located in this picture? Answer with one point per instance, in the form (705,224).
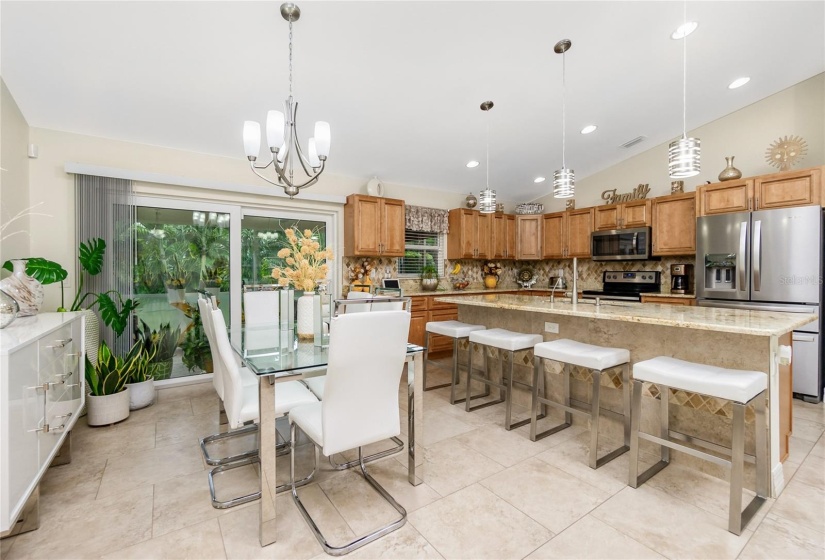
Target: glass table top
(270,350)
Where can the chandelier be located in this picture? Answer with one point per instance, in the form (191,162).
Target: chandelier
(564,179)
(282,137)
(683,155)
(487,197)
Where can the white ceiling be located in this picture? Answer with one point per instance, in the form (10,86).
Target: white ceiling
(401,82)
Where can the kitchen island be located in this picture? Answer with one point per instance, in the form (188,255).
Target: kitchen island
(731,338)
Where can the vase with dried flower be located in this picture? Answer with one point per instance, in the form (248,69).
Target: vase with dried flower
(305,264)
(491,272)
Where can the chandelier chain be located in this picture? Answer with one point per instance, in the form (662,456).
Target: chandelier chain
(290,58)
(488,151)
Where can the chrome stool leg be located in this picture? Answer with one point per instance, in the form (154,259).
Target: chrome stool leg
(568,416)
(427,341)
(663,440)
(486,380)
(457,374)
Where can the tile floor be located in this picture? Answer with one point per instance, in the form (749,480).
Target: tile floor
(139,490)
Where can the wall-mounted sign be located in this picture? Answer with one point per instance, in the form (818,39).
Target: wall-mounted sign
(610,196)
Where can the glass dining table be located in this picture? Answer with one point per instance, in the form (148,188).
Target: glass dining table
(275,356)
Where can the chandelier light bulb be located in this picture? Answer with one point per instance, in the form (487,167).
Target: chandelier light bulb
(274,129)
(312,150)
(251,139)
(281,153)
(322,139)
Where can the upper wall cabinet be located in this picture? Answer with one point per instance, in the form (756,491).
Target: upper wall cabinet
(528,246)
(674,225)
(373,226)
(778,190)
(567,234)
(504,236)
(626,215)
(470,234)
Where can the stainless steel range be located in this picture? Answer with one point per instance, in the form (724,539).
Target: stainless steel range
(626,286)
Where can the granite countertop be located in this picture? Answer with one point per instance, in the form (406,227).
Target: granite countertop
(758,323)
(668,294)
(470,290)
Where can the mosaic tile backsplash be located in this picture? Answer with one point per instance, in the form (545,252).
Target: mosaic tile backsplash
(590,272)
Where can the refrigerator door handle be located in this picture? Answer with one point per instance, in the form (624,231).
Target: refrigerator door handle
(799,337)
(740,256)
(757,255)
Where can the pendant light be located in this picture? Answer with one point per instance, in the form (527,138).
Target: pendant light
(564,179)
(487,197)
(683,155)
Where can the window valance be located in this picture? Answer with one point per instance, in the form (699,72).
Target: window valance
(430,220)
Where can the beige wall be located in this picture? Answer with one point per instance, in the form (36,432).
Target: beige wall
(14,177)
(745,134)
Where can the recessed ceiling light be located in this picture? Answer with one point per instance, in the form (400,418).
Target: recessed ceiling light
(739,82)
(539,180)
(589,128)
(472,164)
(684,30)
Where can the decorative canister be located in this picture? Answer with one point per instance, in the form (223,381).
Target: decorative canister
(26,291)
(730,173)
(8,309)
(306,324)
(471,200)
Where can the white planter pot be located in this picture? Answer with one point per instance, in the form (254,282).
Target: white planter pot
(306,325)
(107,409)
(141,394)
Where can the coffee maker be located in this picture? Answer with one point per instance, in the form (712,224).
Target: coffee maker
(682,278)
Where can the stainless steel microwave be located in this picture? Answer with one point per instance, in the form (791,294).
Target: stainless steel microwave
(632,244)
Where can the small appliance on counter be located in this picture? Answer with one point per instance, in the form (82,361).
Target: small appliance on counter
(619,285)
(557,281)
(682,278)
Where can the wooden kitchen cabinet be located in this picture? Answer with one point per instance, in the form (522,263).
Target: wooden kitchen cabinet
(567,234)
(674,225)
(373,226)
(426,309)
(471,234)
(791,188)
(529,237)
(723,198)
(418,323)
(626,215)
(504,236)
(777,190)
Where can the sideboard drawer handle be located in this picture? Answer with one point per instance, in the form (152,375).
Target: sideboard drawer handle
(60,343)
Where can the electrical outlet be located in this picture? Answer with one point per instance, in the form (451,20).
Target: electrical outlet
(551,328)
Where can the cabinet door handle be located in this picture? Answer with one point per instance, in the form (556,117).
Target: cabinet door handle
(60,343)
(47,386)
(44,429)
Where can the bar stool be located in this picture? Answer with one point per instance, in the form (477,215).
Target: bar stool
(597,359)
(739,386)
(505,341)
(457,331)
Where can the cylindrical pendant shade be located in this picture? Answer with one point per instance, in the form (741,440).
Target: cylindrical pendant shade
(313,154)
(322,139)
(274,129)
(683,157)
(564,183)
(487,201)
(251,139)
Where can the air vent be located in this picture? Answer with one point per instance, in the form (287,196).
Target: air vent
(633,142)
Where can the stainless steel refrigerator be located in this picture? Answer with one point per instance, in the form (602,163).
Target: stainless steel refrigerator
(769,260)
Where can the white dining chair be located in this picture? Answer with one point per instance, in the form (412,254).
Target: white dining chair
(261,308)
(241,404)
(360,404)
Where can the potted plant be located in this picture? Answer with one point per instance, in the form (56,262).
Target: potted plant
(429,278)
(213,279)
(141,385)
(108,400)
(176,281)
(195,345)
(160,344)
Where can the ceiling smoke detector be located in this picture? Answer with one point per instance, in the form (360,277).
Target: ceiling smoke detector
(633,142)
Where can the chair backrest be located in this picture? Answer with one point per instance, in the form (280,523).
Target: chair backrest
(366,357)
(261,307)
(232,383)
(358,308)
(388,306)
(205,308)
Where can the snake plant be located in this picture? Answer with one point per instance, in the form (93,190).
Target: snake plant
(112,373)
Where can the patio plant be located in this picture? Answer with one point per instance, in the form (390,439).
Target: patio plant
(195,345)
(160,344)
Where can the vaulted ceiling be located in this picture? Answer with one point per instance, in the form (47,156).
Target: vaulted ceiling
(401,82)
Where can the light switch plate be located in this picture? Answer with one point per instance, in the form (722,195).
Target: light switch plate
(551,328)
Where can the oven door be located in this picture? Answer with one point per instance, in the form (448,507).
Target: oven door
(621,244)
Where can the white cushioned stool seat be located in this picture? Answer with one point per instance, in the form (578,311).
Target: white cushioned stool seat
(453,329)
(316,385)
(581,354)
(290,394)
(505,340)
(731,384)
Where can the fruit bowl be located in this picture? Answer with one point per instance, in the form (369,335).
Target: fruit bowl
(460,285)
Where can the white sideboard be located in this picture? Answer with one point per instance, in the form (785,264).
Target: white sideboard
(42,391)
